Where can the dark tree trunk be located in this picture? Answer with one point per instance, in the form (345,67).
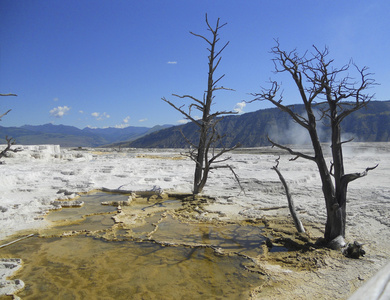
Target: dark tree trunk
(336,221)
(199,163)
(201,169)
(334,224)
(208,138)
(317,81)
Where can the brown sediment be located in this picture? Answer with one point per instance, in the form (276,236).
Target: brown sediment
(287,248)
(140,218)
(118,270)
(151,156)
(279,262)
(299,267)
(285,257)
(140,255)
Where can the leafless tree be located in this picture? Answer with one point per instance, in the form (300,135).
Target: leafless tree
(10,141)
(204,153)
(335,94)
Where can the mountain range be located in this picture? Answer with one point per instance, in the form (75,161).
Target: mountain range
(369,124)
(70,136)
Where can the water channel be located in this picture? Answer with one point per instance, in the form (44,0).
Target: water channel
(148,252)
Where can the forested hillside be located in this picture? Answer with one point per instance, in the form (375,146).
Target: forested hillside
(371,124)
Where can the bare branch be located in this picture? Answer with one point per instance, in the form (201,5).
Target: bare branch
(215,67)
(10,143)
(5,95)
(223,151)
(219,52)
(234,173)
(182,112)
(277,162)
(292,152)
(353,176)
(201,36)
(189,96)
(220,113)
(187,140)
(5,114)
(198,107)
(347,141)
(215,82)
(217,27)
(270,96)
(190,155)
(297,221)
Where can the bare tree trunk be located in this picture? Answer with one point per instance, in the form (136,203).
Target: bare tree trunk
(199,163)
(208,136)
(199,178)
(291,206)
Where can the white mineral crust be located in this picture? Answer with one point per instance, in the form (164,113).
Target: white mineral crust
(31,180)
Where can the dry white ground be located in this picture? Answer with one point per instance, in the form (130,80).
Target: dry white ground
(32,179)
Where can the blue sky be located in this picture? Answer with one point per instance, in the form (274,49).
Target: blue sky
(106,63)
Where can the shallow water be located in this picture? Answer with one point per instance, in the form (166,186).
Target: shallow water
(87,267)
(232,238)
(91,216)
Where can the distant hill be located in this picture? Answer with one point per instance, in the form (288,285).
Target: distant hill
(371,124)
(69,136)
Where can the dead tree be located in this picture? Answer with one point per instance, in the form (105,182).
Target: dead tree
(291,206)
(335,95)
(10,141)
(204,153)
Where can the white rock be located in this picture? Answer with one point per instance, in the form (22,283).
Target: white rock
(7,268)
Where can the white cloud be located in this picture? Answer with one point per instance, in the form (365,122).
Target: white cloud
(81,111)
(126,120)
(59,111)
(55,99)
(239,108)
(184,121)
(143,120)
(125,123)
(172,62)
(98,116)
(121,126)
